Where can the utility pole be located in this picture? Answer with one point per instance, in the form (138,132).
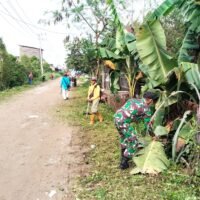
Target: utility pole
(1,69)
(41,54)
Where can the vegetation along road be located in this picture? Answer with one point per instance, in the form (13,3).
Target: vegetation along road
(36,160)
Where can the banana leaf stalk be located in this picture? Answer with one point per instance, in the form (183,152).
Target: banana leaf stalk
(130,76)
(175,138)
(198,109)
(197,91)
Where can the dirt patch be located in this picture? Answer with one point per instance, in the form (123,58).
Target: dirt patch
(40,156)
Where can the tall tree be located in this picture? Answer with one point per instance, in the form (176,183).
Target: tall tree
(89,16)
(81,55)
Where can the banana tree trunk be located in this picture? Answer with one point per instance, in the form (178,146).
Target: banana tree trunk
(131,84)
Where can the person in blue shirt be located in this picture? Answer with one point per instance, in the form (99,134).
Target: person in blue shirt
(65,86)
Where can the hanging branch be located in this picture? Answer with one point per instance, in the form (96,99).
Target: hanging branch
(86,21)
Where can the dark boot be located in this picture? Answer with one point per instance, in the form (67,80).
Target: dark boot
(124,161)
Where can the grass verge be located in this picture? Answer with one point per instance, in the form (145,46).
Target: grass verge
(105,180)
(13,91)
(18,89)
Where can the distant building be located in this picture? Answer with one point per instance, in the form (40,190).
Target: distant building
(30,51)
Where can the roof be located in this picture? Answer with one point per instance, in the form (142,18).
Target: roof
(30,47)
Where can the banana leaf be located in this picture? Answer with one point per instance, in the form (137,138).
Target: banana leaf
(189,43)
(129,37)
(120,42)
(109,43)
(107,54)
(188,131)
(159,117)
(160,131)
(191,10)
(151,160)
(114,84)
(151,45)
(166,7)
(192,73)
(197,2)
(130,42)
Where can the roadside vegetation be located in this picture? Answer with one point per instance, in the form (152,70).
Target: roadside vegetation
(13,91)
(7,93)
(105,179)
(160,52)
(14,71)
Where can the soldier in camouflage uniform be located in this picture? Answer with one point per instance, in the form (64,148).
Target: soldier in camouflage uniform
(133,110)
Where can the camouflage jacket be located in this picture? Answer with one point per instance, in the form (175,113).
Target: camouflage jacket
(134,110)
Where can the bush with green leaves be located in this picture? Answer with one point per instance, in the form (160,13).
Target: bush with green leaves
(14,72)
(11,72)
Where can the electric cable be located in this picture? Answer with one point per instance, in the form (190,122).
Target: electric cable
(33,26)
(11,23)
(18,15)
(8,13)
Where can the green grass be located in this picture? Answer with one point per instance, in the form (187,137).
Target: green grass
(13,91)
(105,180)
(5,94)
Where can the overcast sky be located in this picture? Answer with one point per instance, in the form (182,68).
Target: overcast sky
(19,26)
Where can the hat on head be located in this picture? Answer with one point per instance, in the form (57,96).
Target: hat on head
(93,78)
(151,95)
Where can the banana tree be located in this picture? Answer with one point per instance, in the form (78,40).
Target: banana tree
(154,60)
(190,10)
(123,51)
(125,54)
(159,65)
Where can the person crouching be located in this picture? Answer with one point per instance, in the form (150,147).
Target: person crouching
(134,110)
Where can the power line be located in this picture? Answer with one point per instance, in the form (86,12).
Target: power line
(26,16)
(10,23)
(33,26)
(22,10)
(18,15)
(2,5)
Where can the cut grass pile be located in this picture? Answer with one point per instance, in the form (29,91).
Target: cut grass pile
(106,180)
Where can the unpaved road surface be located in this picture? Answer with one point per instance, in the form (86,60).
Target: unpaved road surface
(38,159)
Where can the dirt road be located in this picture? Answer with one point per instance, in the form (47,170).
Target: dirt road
(37,157)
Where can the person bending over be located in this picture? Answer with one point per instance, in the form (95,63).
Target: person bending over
(134,110)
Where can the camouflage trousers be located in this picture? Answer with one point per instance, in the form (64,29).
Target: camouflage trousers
(128,139)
